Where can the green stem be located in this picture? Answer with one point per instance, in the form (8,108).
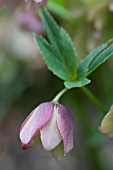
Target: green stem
(94,99)
(91,152)
(58,96)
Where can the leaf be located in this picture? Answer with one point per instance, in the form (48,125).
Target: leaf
(100,59)
(60,11)
(53,63)
(58,53)
(81,83)
(85,63)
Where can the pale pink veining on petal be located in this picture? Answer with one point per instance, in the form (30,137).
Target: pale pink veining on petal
(50,135)
(38,118)
(65,124)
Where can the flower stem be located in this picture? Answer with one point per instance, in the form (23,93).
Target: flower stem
(58,96)
(91,151)
(94,99)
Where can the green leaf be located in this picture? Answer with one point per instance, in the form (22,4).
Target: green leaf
(81,83)
(100,59)
(53,63)
(58,52)
(60,11)
(84,65)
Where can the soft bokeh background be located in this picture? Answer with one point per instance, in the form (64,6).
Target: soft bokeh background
(25,82)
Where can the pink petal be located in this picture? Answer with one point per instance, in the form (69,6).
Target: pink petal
(38,118)
(65,124)
(50,135)
(34,142)
(30,22)
(41,1)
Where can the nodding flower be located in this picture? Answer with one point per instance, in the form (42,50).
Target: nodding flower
(51,125)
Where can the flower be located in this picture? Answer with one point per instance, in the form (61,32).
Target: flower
(107,123)
(12,4)
(27,16)
(41,1)
(111,6)
(50,124)
(30,22)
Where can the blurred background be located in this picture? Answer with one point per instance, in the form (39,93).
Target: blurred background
(25,82)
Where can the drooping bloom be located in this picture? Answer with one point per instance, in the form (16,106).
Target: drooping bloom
(107,123)
(50,124)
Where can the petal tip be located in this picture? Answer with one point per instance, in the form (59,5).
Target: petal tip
(24,146)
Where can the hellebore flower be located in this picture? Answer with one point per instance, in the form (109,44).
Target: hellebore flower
(30,22)
(50,124)
(107,123)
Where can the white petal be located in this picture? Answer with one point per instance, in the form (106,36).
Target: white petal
(50,135)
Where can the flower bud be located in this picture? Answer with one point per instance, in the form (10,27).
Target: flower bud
(107,123)
(50,124)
